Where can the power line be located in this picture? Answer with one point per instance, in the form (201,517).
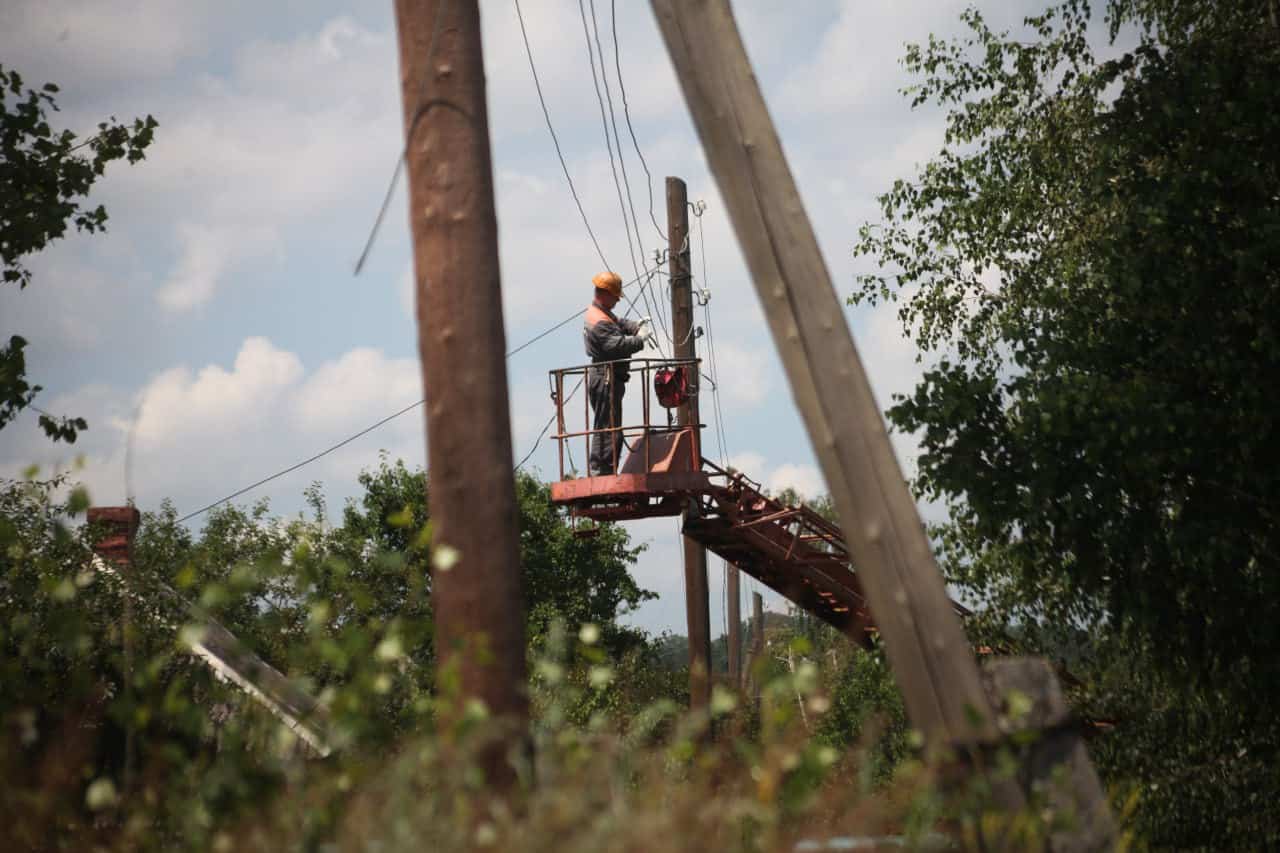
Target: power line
(542,335)
(378,424)
(520,464)
(546,114)
(721,439)
(404,150)
(303,463)
(626,112)
(613,121)
(608,143)
(657,310)
(644,294)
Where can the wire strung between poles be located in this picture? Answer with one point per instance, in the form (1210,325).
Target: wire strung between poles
(617,138)
(626,112)
(404,149)
(542,434)
(546,114)
(372,427)
(604,123)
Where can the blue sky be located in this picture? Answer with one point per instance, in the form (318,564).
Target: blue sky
(221,304)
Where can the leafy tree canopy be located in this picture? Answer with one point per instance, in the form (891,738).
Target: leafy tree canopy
(1090,268)
(45,177)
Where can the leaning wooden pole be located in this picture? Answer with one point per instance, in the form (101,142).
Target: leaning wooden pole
(923,636)
(696,588)
(476,595)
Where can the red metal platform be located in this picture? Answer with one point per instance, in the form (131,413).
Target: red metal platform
(791,549)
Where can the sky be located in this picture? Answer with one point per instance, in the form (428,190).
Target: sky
(219,316)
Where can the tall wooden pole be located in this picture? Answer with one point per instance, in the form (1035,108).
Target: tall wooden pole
(757,622)
(733,615)
(696,592)
(476,595)
(922,633)
(757,639)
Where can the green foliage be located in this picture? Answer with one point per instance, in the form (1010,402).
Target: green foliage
(113,735)
(866,710)
(97,701)
(43,183)
(1091,266)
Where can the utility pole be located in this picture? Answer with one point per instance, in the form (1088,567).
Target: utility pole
(925,642)
(475,589)
(733,605)
(757,623)
(696,592)
(923,637)
(757,644)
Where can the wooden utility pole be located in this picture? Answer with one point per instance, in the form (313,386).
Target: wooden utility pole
(757,623)
(733,615)
(476,595)
(922,633)
(696,592)
(925,642)
(757,647)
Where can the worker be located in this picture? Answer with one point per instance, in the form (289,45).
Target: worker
(609,338)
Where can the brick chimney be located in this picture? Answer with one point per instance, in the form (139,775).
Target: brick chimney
(118,526)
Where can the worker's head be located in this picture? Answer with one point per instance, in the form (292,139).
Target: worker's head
(608,288)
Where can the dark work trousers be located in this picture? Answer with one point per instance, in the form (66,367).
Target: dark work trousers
(604,446)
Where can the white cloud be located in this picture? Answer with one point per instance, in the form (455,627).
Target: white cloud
(805,479)
(362,380)
(206,254)
(801,476)
(748,462)
(203,433)
(179,404)
(278,146)
(743,373)
(104,42)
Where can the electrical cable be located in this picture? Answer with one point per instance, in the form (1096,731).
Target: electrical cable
(538,440)
(404,150)
(542,335)
(626,112)
(721,438)
(613,121)
(370,429)
(304,462)
(627,226)
(604,123)
(546,114)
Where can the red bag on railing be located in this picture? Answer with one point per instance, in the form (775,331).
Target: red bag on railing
(671,384)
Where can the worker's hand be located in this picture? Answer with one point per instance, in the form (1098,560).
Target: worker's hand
(642,324)
(646,334)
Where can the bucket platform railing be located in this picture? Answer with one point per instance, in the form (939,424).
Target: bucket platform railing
(659,461)
(789,548)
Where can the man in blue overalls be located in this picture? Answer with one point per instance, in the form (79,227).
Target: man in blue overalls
(609,338)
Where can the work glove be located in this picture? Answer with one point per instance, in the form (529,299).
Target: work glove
(645,334)
(644,323)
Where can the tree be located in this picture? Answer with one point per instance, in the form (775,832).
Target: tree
(343,608)
(43,183)
(1091,267)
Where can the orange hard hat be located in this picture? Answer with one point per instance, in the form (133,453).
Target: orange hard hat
(609,281)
